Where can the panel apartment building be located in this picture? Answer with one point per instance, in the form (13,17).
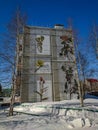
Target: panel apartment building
(46,66)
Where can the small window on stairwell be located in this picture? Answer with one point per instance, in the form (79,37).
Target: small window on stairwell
(20,47)
(19,60)
(18,73)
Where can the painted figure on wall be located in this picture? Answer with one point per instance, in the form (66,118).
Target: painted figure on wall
(41,83)
(40,40)
(67,49)
(42,89)
(39,64)
(71,85)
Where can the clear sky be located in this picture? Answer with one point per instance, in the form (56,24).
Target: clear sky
(49,12)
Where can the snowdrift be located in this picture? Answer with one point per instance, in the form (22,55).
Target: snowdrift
(68,113)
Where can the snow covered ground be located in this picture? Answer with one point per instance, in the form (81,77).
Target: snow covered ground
(63,115)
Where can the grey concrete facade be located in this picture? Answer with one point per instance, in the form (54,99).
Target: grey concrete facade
(42,76)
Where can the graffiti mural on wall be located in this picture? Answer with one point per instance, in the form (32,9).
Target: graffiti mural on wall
(43,67)
(44,89)
(42,44)
(39,64)
(67,49)
(71,85)
(40,40)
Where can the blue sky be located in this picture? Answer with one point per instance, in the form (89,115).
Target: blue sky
(47,13)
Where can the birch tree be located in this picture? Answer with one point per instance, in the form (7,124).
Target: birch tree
(82,64)
(14,28)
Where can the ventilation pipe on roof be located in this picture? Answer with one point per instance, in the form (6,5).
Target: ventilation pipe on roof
(59,26)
